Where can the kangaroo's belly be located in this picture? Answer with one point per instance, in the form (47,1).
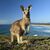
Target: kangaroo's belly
(17,29)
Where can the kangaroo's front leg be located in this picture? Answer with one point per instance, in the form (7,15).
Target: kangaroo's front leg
(23,27)
(28,29)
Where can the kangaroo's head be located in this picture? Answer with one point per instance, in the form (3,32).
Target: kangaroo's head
(26,12)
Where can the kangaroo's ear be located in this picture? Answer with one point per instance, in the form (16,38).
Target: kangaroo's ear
(29,7)
(22,8)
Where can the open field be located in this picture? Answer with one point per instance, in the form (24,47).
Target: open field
(36,43)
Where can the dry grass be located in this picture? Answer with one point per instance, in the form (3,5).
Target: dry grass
(36,43)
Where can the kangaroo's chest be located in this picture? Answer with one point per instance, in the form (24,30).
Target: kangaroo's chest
(24,24)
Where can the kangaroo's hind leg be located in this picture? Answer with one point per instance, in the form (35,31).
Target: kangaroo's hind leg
(23,41)
(18,38)
(12,36)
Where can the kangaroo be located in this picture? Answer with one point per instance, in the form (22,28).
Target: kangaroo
(19,27)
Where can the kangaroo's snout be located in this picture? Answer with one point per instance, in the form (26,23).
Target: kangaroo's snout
(26,11)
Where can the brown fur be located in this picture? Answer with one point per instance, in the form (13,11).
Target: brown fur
(19,26)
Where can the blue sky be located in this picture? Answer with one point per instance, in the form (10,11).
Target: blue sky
(10,10)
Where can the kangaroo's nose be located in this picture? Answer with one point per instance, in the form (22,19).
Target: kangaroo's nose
(26,13)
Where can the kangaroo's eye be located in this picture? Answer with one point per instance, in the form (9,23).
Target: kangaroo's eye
(24,12)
